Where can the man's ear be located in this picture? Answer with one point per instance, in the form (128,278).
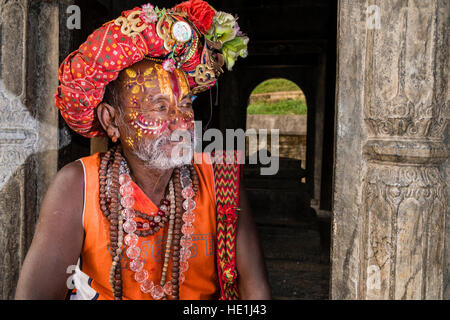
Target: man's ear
(107,115)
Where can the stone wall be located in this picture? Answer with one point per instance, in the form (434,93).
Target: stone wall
(28,125)
(292,138)
(287,124)
(277,96)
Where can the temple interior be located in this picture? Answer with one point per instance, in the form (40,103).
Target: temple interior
(359,206)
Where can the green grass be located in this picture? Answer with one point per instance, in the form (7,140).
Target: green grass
(297,107)
(275,85)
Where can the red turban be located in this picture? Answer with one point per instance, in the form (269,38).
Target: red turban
(116,45)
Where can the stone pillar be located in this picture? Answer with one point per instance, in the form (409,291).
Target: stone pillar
(28,125)
(390,196)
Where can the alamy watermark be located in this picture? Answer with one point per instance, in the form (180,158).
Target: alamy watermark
(74,20)
(373,17)
(373,277)
(70,270)
(258,140)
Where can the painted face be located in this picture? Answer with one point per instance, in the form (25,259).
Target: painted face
(154,101)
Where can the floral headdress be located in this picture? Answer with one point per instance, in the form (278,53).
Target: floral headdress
(217,26)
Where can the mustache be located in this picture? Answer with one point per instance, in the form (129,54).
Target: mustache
(163,139)
(154,155)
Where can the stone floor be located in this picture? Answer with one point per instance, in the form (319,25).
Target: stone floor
(298,267)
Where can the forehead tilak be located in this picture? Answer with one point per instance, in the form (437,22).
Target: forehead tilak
(183,82)
(175,84)
(163,80)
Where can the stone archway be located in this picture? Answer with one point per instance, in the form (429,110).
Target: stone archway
(311,79)
(298,266)
(278,103)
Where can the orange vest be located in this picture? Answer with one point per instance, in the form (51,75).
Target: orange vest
(201,280)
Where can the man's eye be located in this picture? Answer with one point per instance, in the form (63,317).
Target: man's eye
(160,107)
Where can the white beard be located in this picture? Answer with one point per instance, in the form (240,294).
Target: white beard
(155,157)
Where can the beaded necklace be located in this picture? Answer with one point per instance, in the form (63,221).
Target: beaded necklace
(116,202)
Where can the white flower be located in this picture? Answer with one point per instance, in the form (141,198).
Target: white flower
(148,13)
(147,8)
(169,65)
(225,26)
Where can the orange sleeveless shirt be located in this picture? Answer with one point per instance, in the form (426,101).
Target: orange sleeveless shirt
(201,282)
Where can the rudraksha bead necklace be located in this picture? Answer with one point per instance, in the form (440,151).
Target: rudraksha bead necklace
(116,202)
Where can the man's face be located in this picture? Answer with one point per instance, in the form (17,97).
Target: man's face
(156,103)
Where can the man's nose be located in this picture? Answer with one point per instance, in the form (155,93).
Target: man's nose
(178,122)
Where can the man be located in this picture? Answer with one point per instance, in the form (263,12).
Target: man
(143,221)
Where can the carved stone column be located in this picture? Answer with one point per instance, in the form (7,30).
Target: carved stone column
(28,125)
(397,241)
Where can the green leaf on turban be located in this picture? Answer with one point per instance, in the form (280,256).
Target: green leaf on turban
(233,49)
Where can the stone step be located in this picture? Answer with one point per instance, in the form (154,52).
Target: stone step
(288,174)
(277,96)
(274,184)
(290,279)
(288,169)
(300,243)
(279,205)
